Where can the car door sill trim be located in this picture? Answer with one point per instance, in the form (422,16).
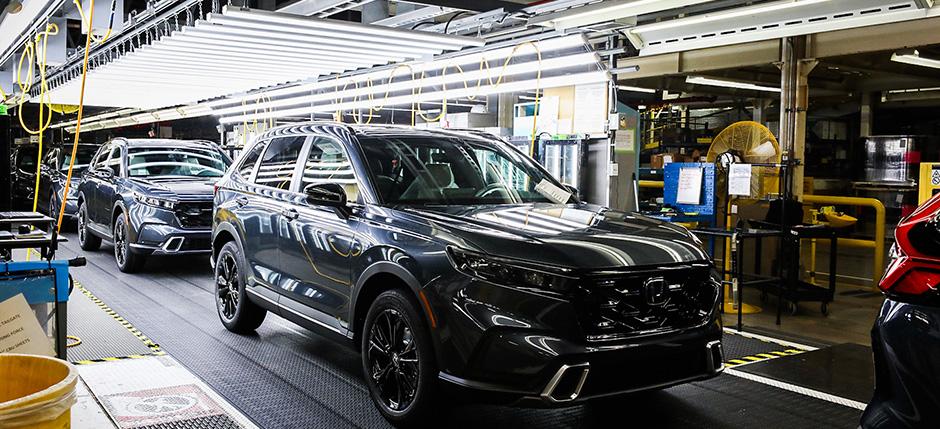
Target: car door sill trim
(297,313)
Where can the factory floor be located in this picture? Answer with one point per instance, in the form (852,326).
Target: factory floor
(850,315)
(155,355)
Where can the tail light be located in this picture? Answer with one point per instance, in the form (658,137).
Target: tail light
(915,264)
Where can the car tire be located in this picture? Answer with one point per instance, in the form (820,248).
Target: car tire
(407,362)
(236,311)
(127,261)
(86,239)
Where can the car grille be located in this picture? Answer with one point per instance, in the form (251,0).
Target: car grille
(612,307)
(194,214)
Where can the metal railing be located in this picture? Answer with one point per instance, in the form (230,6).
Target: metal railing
(878,244)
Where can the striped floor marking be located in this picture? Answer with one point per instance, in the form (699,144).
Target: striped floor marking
(154,347)
(794,349)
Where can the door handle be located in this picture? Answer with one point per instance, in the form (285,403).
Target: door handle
(290,214)
(241,201)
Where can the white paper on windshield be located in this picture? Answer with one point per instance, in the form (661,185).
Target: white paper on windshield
(555,194)
(739,180)
(689,190)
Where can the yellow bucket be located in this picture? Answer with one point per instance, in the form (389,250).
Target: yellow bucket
(36,392)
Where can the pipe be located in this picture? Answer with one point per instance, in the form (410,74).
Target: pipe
(651,184)
(879,242)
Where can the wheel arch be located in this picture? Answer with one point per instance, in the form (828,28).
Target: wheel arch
(377,278)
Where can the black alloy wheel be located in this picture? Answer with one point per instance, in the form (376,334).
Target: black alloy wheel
(226,286)
(127,261)
(236,311)
(398,360)
(86,239)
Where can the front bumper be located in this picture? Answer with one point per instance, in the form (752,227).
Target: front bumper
(163,239)
(579,373)
(529,348)
(905,344)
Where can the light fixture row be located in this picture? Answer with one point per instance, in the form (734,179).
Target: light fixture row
(239,50)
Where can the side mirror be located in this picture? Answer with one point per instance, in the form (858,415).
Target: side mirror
(105,171)
(572,190)
(326,194)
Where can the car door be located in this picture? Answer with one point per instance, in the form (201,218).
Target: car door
(319,243)
(261,209)
(107,186)
(93,178)
(47,176)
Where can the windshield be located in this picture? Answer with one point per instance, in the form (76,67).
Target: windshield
(82,157)
(175,161)
(455,171)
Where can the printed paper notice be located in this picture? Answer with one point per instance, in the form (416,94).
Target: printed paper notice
(20,332)
(690,186)
(739,180)
(555,194)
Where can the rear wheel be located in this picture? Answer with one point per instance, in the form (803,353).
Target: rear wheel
(398,359)
(86,239)
(127,261)
(236,311)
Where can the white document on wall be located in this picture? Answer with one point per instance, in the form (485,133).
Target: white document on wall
(689,190)
(739,180)
(20,331)
(590,108)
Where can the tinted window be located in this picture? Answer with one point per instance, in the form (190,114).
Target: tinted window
(327,163)
(189,161)
(82,157)
(101,157)
(278,162)
(446,170)
(26,158)
(114,159)
(251,158)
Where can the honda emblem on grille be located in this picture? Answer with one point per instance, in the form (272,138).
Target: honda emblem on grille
(655,289)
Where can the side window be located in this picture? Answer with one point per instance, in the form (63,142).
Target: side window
(250,160)
(327,163)
(279,160)
(101,157)
(114,159)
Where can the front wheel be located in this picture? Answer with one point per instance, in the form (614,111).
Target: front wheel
(398,359)
(127,261)
(86,239)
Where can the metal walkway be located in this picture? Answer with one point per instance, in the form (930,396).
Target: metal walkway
(285,376)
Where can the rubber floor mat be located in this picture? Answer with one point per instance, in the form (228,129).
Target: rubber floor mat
(102,336)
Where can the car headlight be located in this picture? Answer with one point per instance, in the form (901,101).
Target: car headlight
(511,273)
(155,202)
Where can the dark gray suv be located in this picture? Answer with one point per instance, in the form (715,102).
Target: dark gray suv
(149,197)
(453,261)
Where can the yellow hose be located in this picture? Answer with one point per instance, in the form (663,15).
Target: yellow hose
(78,124)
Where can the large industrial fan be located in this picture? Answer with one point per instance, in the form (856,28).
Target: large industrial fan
(745,142)
(751,143)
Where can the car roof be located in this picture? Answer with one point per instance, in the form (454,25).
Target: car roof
(166,142)
(374,130)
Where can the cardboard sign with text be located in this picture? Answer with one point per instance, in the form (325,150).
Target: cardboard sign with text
(20,331)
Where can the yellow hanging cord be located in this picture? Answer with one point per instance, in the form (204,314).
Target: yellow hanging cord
(78,124)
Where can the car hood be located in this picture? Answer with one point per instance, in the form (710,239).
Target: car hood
(195,187)
(579,236)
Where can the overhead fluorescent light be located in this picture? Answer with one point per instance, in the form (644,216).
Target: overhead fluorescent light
(608,11)
(726,15)
(497,56)
(700,80)
(376,90)
(636,89)
(913,57)
(552,82)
